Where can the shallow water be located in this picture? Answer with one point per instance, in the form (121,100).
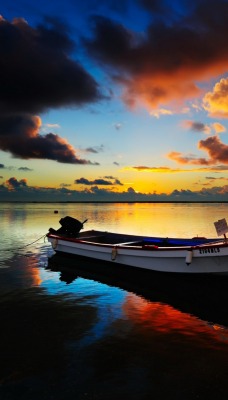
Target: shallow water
(72,329)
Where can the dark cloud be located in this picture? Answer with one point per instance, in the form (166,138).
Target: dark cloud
(117,182)
(131,190)
(91,150)
(100,181)
(165,63)
(197,126)
(182,192)
(200,127)
(25,169)
(65,185)
(38,73)
(14,190)
(27,143)
(164,8)
(13,183)
(95,149)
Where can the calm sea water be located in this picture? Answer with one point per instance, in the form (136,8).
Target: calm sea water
(73,330)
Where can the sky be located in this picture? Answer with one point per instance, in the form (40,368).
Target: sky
(104,100)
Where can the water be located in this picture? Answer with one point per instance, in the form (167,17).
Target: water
(74,330)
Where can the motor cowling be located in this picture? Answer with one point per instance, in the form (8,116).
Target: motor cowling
(70,227)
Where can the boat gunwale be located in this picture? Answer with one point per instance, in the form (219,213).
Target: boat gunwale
(146,247)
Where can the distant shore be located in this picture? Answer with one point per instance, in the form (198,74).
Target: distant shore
(116,202)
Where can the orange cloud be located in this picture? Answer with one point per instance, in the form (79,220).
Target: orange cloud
(166,64)
(218,128)
(217,151)
(156,90)
(178,157)
(161,111)
(144,168)
(216,102)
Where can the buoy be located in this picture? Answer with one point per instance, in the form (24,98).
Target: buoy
(56,212)
(114,253)
(189,255)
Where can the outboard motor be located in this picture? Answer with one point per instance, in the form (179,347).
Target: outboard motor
(70,227)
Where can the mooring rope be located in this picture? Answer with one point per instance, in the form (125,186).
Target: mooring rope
(26,245)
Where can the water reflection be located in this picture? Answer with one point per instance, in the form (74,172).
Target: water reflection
(169,297)
(34,332)
(76,329)
(164,319)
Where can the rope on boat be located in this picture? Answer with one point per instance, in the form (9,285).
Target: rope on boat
(26,245)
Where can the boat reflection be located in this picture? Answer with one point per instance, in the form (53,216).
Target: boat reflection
(203,296)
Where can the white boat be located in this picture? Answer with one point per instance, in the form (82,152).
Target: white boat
(196,255)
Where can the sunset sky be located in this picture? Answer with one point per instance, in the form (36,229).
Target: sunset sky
(106,100)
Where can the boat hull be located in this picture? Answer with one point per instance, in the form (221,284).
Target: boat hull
(205,259)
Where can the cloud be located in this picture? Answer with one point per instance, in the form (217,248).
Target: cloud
(118,126)
(218,128)
(213,178)
(20,136)
(100,181)
(47,127)
(95,149)
(197,126)
(144,168)
(165,64)
(117,182)
(189,159)
(158,7)
(25,169)
(37,74)
(217,152)
(161,111)
(178,157)
(14,190)
(57,126)
(204,128)
(216,102)
(13,183)
(65,185)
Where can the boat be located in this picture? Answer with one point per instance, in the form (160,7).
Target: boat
(197,255)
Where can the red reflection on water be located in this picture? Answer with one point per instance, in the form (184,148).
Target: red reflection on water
(164,319)
(30,271)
